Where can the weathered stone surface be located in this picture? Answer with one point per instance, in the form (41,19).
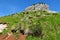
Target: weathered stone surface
(37,7)
(3,26)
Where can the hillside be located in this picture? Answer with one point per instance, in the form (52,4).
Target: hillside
(49,23)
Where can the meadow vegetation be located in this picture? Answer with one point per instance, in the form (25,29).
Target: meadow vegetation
(49,23)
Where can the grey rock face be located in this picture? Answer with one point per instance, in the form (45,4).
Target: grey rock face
(37,7)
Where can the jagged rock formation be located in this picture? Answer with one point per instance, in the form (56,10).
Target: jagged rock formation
(40,6)
(37,7)
(3,26)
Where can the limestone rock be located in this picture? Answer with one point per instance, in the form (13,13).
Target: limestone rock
(36,7)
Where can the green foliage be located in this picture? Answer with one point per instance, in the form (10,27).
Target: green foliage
(49,24)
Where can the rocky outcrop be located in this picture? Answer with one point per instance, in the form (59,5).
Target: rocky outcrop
(37,7)
(3,26)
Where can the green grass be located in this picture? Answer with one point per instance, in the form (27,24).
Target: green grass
(50,24)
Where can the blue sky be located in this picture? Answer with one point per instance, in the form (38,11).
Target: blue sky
(12,6)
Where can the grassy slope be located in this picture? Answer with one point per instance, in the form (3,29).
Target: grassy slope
(50,23)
